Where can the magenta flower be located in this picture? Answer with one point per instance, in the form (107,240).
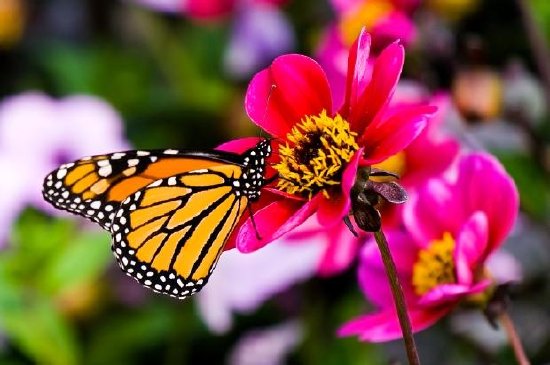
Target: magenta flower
(451,227)
(428,156)
(319,148)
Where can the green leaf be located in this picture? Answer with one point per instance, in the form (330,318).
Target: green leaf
(35,326)
(531,182)
(37,239)
(125,339)
(82,260)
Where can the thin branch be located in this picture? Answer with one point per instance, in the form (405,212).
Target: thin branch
(538,45)
(513,337)
(399,298)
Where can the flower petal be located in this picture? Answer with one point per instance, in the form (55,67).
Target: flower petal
(471,244)
(239,145)
(486,186)
(372,273)
(390,134)
(385,74)
(281,95)
(384,325)
(331,211)
(272,221)
(341,250)
(433,210)
(359,71)
(450,294)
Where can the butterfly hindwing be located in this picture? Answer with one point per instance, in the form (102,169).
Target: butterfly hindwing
(169,235)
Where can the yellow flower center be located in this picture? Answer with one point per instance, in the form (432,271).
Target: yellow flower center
(366,15)
(435,265)
(315,155)
(396,164)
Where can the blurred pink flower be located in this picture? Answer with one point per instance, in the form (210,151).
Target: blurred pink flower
(214,9)
(451,227)
(292,101)
(37,133)
(267,346)
(386,21)
(260,30)
(242,282)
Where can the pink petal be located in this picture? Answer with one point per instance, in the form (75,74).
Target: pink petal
(372,273)
(384,325)
(395,26)
(433,210)
(359,71)
(239,145)
(471,244)
(342,247)
(333,210)
(388,135)
(486,186)
(450,294)
(208,10)
(293,87)
(427,158)
(272,221)
(385,74)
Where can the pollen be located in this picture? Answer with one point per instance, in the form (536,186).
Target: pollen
(435,265)
(314,157)
(396,164)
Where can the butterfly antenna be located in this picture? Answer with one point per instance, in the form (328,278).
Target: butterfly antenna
(251,213)
(273,87)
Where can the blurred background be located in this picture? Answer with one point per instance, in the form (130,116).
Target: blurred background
(92,76)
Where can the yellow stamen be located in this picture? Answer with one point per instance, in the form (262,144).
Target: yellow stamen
(396,164)
(314,157)
(435,265)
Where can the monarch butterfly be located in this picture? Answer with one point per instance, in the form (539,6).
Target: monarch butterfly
(169,212)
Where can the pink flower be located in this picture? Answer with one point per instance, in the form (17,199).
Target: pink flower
(318,148)
(37,133)
(386,21)
(451,227)
(428,156)
(214,9)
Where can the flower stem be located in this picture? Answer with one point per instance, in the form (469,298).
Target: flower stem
(541,53)
(399,298)
(513,337)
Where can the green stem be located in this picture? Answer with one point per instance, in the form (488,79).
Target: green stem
(541,53)
(513,337)
(399,298)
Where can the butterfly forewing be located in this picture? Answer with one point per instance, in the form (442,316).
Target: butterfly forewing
(93,187)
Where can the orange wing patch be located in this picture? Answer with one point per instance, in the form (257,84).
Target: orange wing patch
(169,235)
(93,187)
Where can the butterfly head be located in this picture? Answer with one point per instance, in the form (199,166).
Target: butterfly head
(254,162)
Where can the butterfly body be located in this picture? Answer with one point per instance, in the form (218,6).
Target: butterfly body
(169,212)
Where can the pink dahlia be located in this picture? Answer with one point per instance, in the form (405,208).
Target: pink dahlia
(450,229)
(318,148)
